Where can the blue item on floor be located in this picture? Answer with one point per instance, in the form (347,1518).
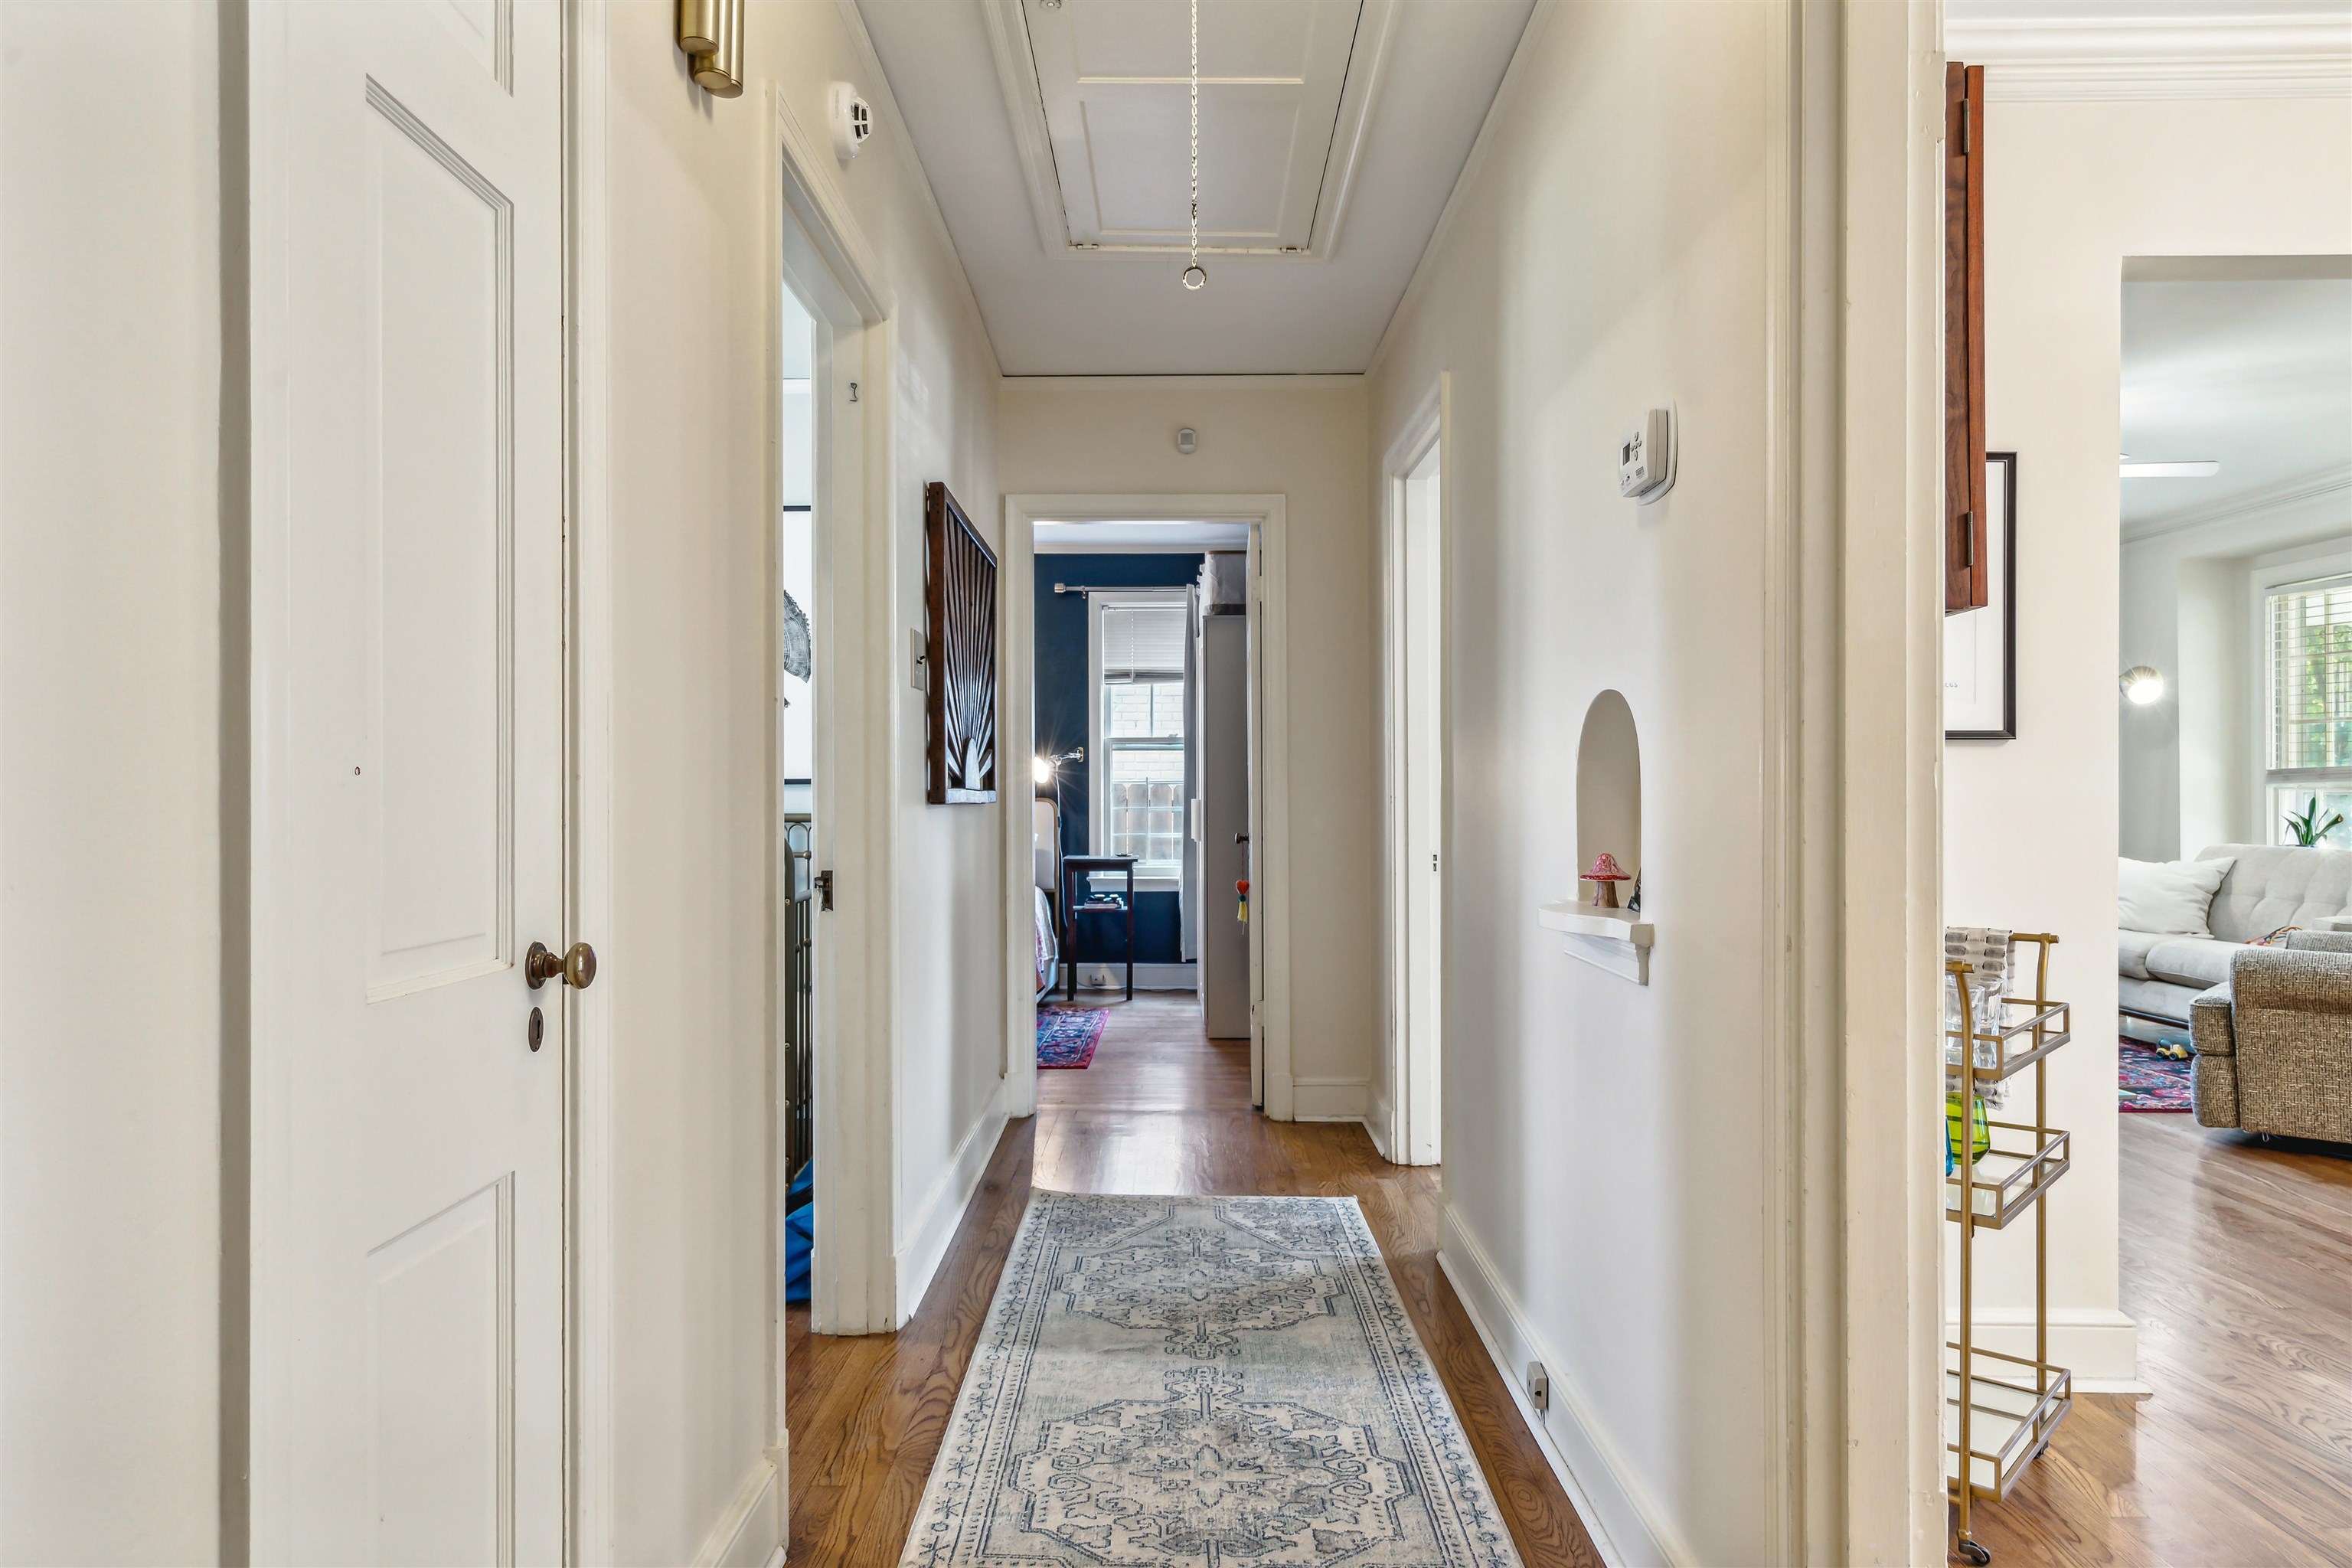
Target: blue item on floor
(800,1218)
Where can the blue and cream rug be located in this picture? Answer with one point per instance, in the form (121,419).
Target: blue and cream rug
(1202,1383)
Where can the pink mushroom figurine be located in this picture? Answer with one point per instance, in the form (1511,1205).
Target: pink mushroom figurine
(1604,877)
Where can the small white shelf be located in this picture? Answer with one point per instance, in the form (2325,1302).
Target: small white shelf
(1615,940)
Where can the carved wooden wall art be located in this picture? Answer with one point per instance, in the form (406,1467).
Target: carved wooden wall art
(959,648)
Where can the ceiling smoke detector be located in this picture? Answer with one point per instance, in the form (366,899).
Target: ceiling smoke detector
(853,120)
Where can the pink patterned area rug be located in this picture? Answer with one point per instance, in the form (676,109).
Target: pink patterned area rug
(1066,1036)
(2147,1081)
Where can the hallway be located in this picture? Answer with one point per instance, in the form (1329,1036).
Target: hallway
(1162,1109)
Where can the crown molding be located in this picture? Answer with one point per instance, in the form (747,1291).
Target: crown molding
(2304,491)
(1498,110)
(2157,55)
(910,161)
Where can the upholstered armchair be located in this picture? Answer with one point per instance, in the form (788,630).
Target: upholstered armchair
(2274,1041)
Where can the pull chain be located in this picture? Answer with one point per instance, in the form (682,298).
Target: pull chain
(1196,275)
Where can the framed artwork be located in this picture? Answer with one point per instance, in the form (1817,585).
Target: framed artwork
(1980,646)
(959,655)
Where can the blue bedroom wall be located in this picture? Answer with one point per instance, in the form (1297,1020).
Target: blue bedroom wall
(1061,719)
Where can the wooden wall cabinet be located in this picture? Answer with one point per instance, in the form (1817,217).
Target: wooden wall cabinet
(1967,575)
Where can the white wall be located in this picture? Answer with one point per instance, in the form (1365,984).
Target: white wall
(2030,825)
(1604,1150)
(1304,439)
(688,493)
(2187,762)
(109,794)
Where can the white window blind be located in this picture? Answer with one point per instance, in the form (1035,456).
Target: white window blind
(1142,642)
(2311,675)
(2307,639)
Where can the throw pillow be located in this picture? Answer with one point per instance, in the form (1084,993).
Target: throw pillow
(2170,898)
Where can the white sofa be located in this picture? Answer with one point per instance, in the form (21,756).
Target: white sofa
(2267,888)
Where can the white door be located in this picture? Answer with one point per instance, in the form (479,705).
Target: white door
(409,1312)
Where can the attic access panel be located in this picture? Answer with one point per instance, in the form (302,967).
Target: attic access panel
(1113,77)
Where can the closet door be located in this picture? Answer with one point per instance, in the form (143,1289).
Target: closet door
(408,1321)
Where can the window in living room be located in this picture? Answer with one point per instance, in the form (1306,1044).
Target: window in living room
(2307,685)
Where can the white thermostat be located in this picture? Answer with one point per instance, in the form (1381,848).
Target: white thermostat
(853,122)
(1645,456)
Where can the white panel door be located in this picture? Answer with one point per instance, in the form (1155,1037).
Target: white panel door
(409,1312)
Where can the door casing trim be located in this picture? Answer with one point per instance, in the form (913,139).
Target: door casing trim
(1269,785)
(1422,433)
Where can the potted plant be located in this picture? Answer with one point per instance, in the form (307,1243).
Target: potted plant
(2309,827)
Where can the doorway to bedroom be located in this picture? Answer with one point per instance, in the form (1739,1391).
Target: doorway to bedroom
(1142,651)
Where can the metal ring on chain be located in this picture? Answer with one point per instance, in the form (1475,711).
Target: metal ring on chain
(1195,275)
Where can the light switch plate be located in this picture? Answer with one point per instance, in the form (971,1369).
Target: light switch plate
(1646,456)
(919,662)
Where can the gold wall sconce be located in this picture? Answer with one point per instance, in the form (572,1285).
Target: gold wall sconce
(710,32)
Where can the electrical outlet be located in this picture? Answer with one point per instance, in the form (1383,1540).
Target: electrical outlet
(1538,1386)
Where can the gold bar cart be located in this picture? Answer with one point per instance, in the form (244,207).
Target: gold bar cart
(2003,1407)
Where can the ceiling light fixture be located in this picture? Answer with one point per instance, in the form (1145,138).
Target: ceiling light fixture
(1196,274)
(2203,469)
(2142,684)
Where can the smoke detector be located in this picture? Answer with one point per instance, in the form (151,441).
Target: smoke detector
(853,122)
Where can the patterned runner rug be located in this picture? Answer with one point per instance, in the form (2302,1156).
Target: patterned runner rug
(1202,1383)
(1066,1036)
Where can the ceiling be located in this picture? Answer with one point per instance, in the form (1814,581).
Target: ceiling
(2255,373)
(1055,134)
(1138,538)
(2082,49)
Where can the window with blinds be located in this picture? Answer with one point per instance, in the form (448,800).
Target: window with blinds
(1143,642)
(2307,637)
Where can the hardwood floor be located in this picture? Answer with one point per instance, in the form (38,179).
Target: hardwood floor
(2237,1263)
(1162,1109)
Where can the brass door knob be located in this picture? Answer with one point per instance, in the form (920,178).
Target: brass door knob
(576,968)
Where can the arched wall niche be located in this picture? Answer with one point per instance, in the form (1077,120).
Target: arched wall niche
(1609,789)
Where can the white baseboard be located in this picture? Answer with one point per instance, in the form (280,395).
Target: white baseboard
(750,1534)
(2099,1345)
(1093,977)
(1330,1099)
(1625,1524)
(943,1206)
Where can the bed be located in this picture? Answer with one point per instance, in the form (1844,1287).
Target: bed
(1046,835)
